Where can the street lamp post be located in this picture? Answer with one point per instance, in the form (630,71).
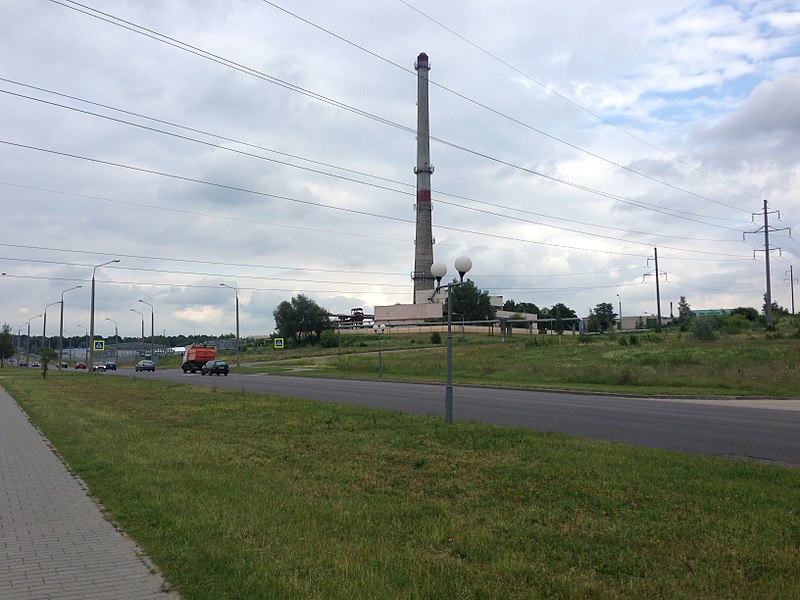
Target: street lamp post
(44,323)
(28,341)
(141,315)
(439,270)
(379,329)
(61,326)
(19,343)
(236,292)
(152,329)
(90,362)
(620,312)
(86,352)
(116,329)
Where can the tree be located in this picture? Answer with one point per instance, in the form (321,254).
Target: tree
(604,315)
(684,310)
(301,319)
(471,303)
(46,354)
(560,312)
(521,307)
(748,312)
(6,344)
(777,310)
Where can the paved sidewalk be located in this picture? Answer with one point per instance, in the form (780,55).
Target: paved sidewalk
(54,541)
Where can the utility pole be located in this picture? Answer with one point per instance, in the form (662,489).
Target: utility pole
(766,228)
(658,289)
(791,284)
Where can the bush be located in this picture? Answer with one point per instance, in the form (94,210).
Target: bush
(436,338)
(328,339)
(735,323)
(705,327)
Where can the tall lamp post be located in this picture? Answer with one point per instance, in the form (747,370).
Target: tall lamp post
(86,353)
(141,315)
(116,329)
(152,322)
(378,329)
(236,292)
(28,341)
(44,324)
(90,362)
(620,312)
(439,270)
(61,326)
(19,343)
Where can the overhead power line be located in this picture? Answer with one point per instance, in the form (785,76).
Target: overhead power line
(135,28)
(338,208)
(677,214)
(348,290)
(195,273)
(579,106)
(508,117)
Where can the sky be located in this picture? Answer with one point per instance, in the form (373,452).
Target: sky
(270,147)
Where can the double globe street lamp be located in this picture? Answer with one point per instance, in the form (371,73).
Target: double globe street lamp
(439,270)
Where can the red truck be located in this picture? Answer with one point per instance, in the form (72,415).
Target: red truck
(196,356)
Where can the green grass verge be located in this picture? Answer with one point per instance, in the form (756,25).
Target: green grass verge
(239,495)
(750,364)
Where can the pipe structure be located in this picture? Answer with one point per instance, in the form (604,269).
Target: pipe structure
(423,244)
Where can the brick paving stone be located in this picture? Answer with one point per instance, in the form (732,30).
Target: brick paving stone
(54,541)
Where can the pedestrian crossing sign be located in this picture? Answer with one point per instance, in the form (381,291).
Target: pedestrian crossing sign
(278,343)
(99,344)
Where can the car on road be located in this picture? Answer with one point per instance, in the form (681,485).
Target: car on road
(215,367)
(99,367)
(80,365)
(111,366)
(145,365)
(64,365)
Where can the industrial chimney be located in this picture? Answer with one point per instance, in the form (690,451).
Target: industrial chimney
(423,245)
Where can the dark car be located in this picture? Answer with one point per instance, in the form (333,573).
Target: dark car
(145,365)
(80,365)
(111,366)
(215,367)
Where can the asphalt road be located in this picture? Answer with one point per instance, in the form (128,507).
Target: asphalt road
(756,429)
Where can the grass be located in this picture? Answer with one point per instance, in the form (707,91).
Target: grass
(239,495)
(750,364)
